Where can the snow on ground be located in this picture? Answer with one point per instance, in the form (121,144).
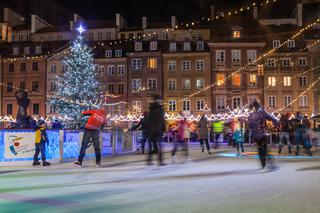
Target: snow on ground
(126,184)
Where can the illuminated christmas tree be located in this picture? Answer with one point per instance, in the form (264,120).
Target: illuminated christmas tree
(78,88)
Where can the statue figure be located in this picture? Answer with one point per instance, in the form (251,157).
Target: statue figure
(23,120)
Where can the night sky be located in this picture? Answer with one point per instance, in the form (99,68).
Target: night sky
(156,10)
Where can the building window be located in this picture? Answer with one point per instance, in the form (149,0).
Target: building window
(236,102)
(136,84)
(22,85)
(108,53)
(303,101)
(236,56)
(172,66)
(101,70)
(272,81)
(152,84)
(302,62)
(120,88)
(38,50)
(221,103)
(251,55)
(186,65)
(108,35)
(276,43)
(186,84)
(26,50)
(236,80)
(271,62)
(220,79)
(35,109)
(152,63)
(200,105)
(100,36)
(138,46)
(172,84)
(199,64)
(291,43)
(15,51)
(287,81)
(9,109)
(136,106)
(11,67)
(173,47)
(287,100)
(172,105)
(200,46)
(186,105)
(272,101)
(35,66)
(10,87)
(111,70)
(220,56)
(252,80)
(118,53)
(53,68)
(251,100)
(199,84)
(286,62)
(153,45)
(121,70)
(91,36)
(303,81)
(53,86)
(236,34)
(136,64)
(165,36)
(23,67)
(53,109)
(111,89)
(186,46)
(35,86)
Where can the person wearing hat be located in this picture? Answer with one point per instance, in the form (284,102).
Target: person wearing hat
(41,140)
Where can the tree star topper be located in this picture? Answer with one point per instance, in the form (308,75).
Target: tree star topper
(80,29)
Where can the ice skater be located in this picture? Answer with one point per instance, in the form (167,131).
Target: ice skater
(238,137)
(96,121)
(203,133)
(41,140)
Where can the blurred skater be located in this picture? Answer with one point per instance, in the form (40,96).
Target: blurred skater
(203,133)
(142,124)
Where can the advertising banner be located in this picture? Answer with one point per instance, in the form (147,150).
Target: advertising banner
(19,144)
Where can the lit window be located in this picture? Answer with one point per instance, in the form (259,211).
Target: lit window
(291,43)
(236,80)
(138,46)
(153,45)
(186,105)
(186,84)
(303,81)
(199,84)
(152,63)
(251,55)
(220,56)
(287,100)
(172,66)
(38,50)
(152,84)
(136,107)
(272,101)
(271,62)
(136,64)
(236,102)
(253,80)
(286,62)
(173,47)
(303,101)
(200,105)
(302,62)
(200,45)
(199,64)
(236,34)
(220,79)
(186,46)
(172,84)
(276,43)
(236,56)
(118,53)
(108,53)
(272,81)
(287,81)
(172,105)
(220,103)
(186,65)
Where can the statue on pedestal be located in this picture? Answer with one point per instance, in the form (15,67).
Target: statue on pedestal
(23,120)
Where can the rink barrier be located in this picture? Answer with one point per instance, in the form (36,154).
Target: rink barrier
(17,146)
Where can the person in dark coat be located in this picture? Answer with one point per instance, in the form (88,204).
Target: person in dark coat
(156,128)
(203,133)
(285,129)
(142,124)
(257,123)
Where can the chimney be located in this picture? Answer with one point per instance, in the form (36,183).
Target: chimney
(255,12)
(212,12)
(173,22)
(144,22)
(299,15)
